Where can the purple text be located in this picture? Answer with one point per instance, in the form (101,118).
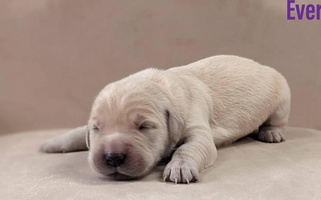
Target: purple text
(303,11)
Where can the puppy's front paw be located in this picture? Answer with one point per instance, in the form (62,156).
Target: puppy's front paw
(62,144)
(181,171)
(54,145)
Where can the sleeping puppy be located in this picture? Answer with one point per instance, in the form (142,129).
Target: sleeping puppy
(138,121)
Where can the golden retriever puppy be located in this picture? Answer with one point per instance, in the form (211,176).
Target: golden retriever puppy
(138,121)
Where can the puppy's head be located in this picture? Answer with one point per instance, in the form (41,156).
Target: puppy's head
(130,128)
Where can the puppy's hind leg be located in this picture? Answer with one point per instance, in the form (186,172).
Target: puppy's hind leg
(73,140)
(271,130)
(270,134)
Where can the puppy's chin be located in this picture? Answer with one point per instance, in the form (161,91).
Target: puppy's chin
(119,176)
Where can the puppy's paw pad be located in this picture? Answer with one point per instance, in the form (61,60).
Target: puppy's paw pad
(181,171)
(270,134)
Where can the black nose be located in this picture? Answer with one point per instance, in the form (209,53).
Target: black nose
(114,159)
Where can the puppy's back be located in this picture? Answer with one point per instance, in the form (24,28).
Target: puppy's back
(244,92)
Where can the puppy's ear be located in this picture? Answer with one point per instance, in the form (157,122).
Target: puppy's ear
(174,124)
(88,138)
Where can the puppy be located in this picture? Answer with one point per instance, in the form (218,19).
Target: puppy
(138,121)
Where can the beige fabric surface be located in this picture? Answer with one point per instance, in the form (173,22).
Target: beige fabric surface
(55,55)
(247,169)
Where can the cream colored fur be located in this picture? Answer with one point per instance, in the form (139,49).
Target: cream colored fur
(200,106)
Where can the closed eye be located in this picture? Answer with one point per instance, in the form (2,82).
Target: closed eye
(146,126)
(143,127)
(95,128)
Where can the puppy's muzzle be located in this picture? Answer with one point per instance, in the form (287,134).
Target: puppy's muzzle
(114,159)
